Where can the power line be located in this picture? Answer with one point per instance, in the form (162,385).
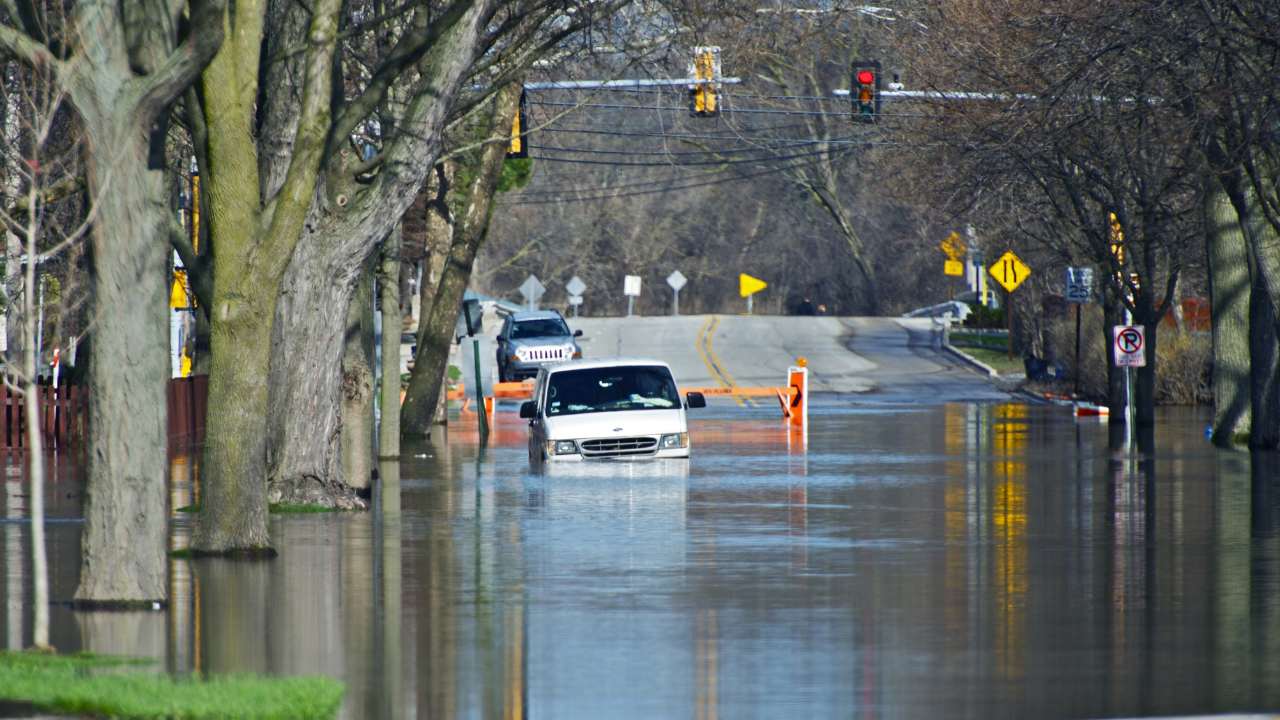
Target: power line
(729,110)
(716,137)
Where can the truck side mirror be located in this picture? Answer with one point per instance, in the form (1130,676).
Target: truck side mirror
(696,400)
(528,410)
(577,333)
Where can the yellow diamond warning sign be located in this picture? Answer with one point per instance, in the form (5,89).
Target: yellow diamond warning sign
(1009,271)
(748,285)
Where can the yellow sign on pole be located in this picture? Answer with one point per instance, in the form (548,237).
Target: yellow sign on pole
(747,285)
(953,267)
(955,248)
(1009,271)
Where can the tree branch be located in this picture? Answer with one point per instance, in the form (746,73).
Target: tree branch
(199,274)
(159,89)
(27,50)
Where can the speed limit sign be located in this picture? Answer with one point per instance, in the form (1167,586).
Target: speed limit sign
(1130,345)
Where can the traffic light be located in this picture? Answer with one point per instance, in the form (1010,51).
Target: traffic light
(865,91)
(702,97)
(519,146)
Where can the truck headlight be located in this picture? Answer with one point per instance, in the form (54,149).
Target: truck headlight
(670,442)
(562,447)
(522,353)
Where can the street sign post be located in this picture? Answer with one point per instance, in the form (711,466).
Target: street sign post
(955,248)
(576,287)
(532,290)
(748,286)
(631,288)
(1009,271)
(1079,285)
(676,280)
(1130,344)
(1079,289)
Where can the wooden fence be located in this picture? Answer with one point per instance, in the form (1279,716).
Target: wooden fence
(64,412)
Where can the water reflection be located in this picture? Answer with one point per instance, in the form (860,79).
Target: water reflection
(960,561)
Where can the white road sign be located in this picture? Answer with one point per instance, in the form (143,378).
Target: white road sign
(575,286)
(532,290)
(1130,345)
(1079,285)
(631,285)
(676,280)
(575,299)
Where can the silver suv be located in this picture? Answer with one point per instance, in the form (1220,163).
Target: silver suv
(530,340)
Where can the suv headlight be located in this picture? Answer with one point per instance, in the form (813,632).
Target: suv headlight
(670,442)
(522,353)
(571,351)
(562,447)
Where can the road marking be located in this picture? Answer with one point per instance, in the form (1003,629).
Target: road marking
(717,370)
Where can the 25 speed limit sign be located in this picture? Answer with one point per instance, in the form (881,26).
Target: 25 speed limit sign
(1130,345)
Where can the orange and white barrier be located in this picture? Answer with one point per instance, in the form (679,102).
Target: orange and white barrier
(794,398)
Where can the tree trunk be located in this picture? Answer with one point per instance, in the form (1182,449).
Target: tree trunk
(126,519)
(357,385)
(1229,293)
(433,344)
(439,236)
(1117,399)
(392,324)
(251,251)
(338,238)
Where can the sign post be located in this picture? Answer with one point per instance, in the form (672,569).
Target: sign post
(631,288)
(532,290)
(1130,352)
(1010,271)
(576,287)
(1079,291)
(748,286)
(471,315)
(676,280)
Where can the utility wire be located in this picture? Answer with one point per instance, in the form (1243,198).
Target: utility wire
(731,110)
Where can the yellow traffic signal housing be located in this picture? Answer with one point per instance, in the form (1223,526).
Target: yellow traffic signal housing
(519,146)
(703,100)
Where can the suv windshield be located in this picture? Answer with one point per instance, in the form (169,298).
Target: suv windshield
(538,328)
(617,388)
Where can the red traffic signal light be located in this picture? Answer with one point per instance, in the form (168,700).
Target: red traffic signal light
(866,91)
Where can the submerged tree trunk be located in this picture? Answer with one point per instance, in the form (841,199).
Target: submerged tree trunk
(439,236)
(436,331)
(357,385)
(126,519)
(1229,302)
(392,322)
(335,243)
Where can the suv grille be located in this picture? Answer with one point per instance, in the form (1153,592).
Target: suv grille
(539,354)
(616,447)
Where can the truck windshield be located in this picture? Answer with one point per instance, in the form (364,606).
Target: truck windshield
(635,387)
(538,328)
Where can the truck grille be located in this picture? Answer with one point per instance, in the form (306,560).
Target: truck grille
(543,354)
(617,447)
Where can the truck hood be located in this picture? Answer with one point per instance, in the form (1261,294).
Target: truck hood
(621,423)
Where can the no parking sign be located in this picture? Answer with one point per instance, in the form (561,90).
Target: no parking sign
(1130,345)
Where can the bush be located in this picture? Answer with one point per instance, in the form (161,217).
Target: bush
(1182,359)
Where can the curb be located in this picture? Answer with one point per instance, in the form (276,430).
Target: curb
(944,344)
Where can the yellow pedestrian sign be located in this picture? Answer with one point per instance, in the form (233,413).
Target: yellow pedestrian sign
(1010,271)
(955,248)
(953,267)
(748,286)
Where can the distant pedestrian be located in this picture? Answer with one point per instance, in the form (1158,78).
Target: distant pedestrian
(805,308)
(822,309)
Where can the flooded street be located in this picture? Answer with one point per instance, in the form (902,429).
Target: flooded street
(957,561)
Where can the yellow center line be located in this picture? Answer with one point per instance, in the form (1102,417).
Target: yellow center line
(704,346)
(715,359)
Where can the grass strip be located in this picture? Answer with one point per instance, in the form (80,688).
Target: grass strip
(278,508)
(114,687)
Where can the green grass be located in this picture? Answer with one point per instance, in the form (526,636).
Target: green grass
(278,508)
(997,359)
(85,684)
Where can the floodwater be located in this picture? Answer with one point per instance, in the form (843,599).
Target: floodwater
(959,561)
